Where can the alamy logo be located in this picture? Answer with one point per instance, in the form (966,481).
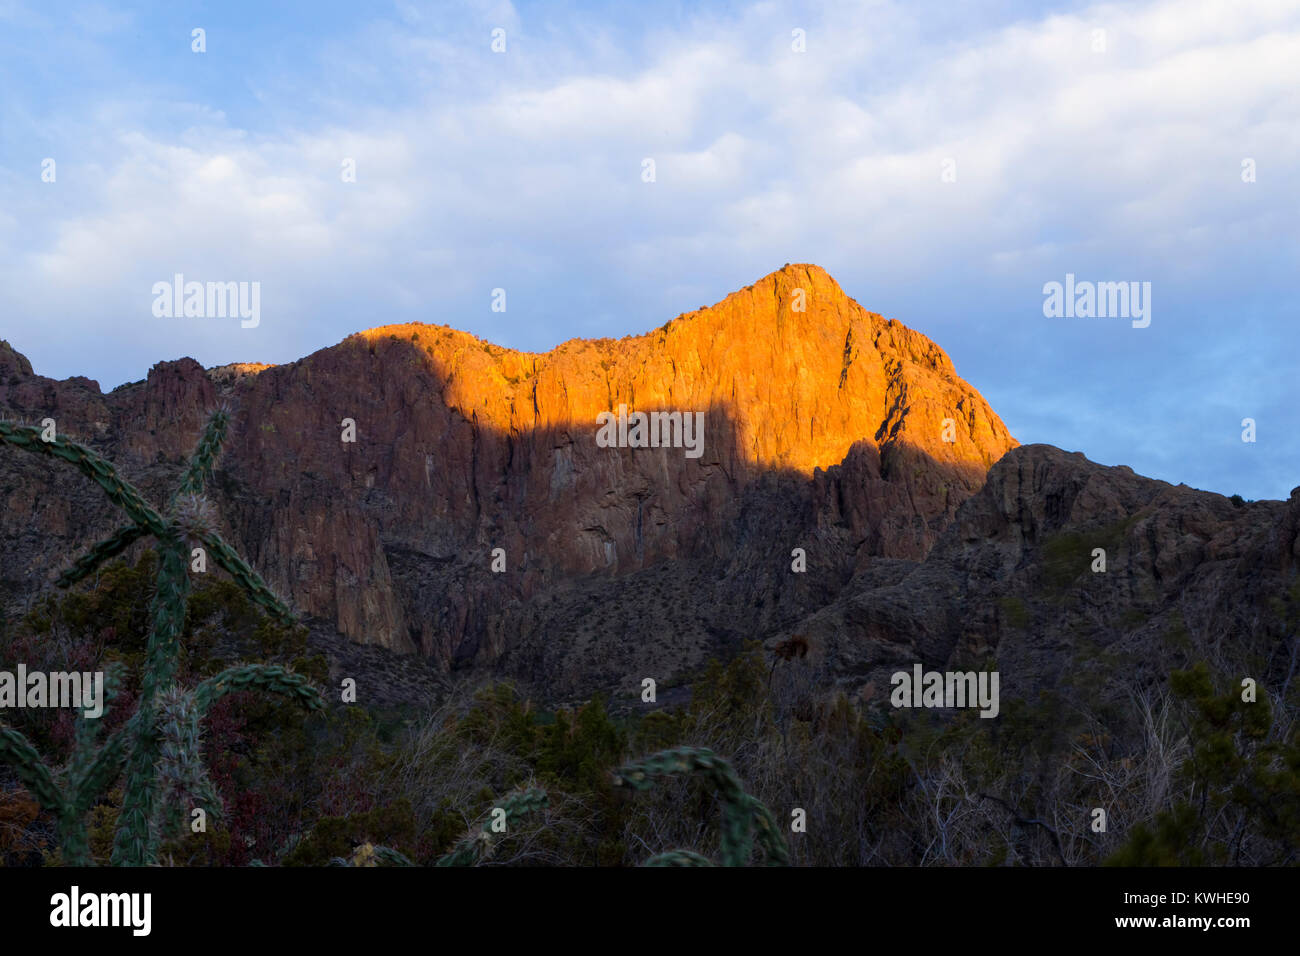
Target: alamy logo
(59,689)
(1100,300)
(946,689)
(652,430)
(102,909)
(208,300)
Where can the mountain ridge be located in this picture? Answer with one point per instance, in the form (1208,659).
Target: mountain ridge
(836,439)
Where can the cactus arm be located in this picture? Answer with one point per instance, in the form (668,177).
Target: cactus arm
(477,846)
(17,751)
(369,855)
(467,852)
(120,491)
(100,772)
(199,470)
(245,576)
(90,772)
(97,554)
(389,857)
(771,842)
(678,858)
(196,477)
(183,778)
(267,677)
(131,845)
(192,483)
(742,813)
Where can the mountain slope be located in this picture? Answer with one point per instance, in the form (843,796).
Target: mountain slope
(1017,580)
(824,430)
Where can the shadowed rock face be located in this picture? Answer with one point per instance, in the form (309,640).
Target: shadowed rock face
(1015,579)
(824,430)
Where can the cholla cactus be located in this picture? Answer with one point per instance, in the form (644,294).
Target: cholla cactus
(479,846)
(183,780)
(139,744)
(743,816)
(475,847)
(70,793)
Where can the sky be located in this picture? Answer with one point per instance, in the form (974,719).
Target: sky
(943,162)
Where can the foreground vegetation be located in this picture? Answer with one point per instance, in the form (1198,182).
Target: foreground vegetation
(1187,774)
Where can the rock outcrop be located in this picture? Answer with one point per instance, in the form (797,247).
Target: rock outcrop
(1058,563)
(833,440)
(827,428)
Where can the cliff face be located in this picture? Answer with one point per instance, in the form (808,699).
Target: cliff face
(824,429)
(832,439)
(1060,568)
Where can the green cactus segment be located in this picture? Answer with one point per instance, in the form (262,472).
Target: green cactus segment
(245,576)
(742,814)
(102,771)
(132,844)
(384,856)
(119,491)
(469,851)
(86,761)
(204,459)
(679,858)
(17,751)
(479,846)
(184,782)
(106,550)
(771,841)
(270,678)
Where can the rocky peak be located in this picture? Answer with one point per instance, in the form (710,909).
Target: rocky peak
(799,371)
(13,364)
(827,428)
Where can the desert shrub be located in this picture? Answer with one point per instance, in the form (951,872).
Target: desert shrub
(1244,774)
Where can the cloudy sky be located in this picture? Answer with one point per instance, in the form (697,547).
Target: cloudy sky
(942,161)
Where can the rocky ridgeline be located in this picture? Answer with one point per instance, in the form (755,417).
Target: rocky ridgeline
(825,430)
(1060,567)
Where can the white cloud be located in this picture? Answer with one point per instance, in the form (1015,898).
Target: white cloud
(764,155)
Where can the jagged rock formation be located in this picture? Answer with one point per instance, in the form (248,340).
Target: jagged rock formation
(824,430)
(1016,581)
